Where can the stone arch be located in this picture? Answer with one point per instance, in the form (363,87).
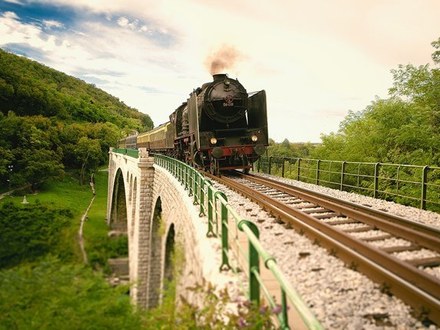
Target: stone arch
(118,216)
(169,262)
(155,264)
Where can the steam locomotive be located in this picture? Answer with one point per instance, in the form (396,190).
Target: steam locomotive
(219,127)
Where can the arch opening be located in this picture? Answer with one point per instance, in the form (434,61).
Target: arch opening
(118,216)
(155,267)
(169,261)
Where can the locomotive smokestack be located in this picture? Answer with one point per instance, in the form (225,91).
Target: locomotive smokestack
(219,76)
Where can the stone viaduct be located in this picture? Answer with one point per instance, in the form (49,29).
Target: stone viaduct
(148,204)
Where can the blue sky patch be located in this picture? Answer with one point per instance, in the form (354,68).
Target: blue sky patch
(57,18)
(35,13)
(25,50)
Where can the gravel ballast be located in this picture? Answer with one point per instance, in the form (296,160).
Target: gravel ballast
(339,297)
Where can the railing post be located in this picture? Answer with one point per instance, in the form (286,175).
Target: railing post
(270,165)
(424,187)
(342,175)
(254,263)
(185,168)
(201,194)
(284,309)
(318,162)
(282,168)
(210,232)
(179,172)
(298,175)
(376,179)
(225,240)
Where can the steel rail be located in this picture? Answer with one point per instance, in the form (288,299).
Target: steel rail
(418,233)
(415,287)
(422,228)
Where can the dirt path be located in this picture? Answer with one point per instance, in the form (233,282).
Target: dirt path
(81,227)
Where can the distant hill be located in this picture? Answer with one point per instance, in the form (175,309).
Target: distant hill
(29,88)
(51,122)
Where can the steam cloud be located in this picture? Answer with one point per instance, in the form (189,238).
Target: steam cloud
(223,59)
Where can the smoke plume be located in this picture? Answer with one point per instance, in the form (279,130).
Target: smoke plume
(223,59)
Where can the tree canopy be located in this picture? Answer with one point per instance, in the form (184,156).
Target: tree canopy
(404,128)
(51,122)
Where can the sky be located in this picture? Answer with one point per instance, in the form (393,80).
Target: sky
(316,59)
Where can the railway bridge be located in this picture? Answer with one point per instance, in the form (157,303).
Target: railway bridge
(151,207)
(167,208)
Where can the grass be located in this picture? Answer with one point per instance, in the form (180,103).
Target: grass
(55,295)
(98,245)
(67,194)
(64,193)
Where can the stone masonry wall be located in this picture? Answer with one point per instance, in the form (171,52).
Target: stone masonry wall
(144,184)
(202,254)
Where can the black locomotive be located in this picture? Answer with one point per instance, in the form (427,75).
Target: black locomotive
(220,127)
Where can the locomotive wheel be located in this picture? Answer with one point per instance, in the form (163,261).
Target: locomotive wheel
(246,163)
(213,167)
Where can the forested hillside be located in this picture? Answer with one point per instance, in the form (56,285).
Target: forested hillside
(404,128)
(51,122)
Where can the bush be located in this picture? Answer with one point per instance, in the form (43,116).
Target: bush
(56,295)
(30,231)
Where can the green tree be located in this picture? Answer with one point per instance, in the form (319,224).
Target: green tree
(436,55)
(405,128)
(31,150)
(28,232)
(41,108)
(88,153)
(6,158)
(39,165)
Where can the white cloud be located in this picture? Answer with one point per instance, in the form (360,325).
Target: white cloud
(12,31)
(316,59)
(10,15)
(51,23)
(123,21)
(17,2)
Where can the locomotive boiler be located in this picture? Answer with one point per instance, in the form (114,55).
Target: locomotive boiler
(219,127)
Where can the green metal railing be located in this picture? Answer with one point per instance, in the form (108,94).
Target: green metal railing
(129,152)
(412,185)
(213,204)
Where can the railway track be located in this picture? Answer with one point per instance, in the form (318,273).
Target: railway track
(367,240)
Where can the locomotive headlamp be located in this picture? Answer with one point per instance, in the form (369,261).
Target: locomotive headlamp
(254,138)
(213,140)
